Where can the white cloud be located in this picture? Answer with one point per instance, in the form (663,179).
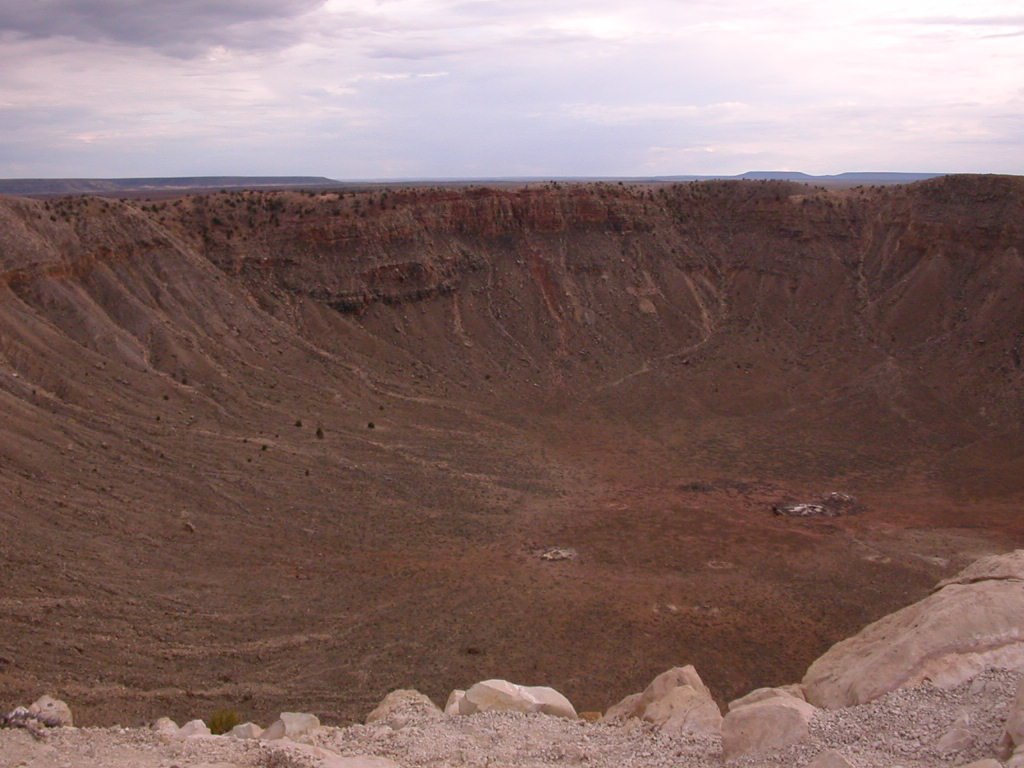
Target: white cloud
(371,88)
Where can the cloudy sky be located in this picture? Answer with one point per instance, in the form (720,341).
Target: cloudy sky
(457,88)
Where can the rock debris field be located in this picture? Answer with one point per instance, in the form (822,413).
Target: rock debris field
(931,685)
(902,728)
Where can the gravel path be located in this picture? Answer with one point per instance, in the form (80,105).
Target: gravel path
(901,729)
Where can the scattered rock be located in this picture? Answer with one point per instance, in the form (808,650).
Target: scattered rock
(555,554)
(291,725)
(768,724)
(503,696)
(402,707)
(246,731)
(52,712)
(986,763)
(947,638)
(830,505)
(194,728)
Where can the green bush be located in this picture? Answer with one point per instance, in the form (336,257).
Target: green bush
(223,720)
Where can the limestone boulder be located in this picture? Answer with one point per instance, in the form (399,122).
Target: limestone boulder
(503,696)
(52,712)
(246,731)
(291,725)
(166,726)
(773,723)
(625,709)
(971,622)
(451,707)
(684,710)
(992,568)
(761,694)
(403,707)
(677,701)
(194,728)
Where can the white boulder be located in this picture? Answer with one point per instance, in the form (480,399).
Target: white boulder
(451,707)
(194,728)
(971,622)
(166,726)
(625,709)
(769,724)
(503,696)
(677,701)
(246,731)
(761,694)
(291,725)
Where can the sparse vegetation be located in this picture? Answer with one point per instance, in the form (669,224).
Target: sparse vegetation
(223,720)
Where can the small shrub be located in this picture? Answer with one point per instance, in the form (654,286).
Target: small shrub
(223,720)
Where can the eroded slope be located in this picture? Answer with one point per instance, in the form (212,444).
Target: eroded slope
(634,373)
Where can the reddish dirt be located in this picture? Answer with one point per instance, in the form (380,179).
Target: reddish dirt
(635,373)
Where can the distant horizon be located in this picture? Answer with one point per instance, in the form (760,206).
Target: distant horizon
(753,174)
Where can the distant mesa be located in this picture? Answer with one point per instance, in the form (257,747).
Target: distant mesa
(168,184)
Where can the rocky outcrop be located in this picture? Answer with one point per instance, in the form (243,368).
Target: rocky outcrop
(971,622)
(676,701)
(503,696)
